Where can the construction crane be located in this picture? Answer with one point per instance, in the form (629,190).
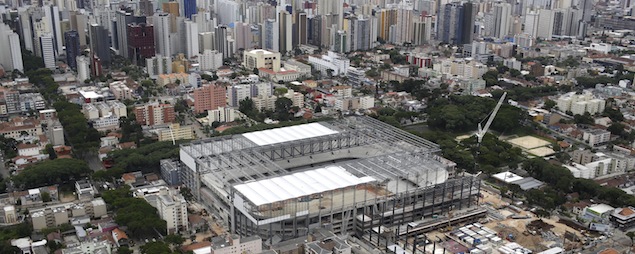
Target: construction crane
(481,131)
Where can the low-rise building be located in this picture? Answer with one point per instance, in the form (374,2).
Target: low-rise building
(623,218)
(175,132)
(101,247)
(55,215)
(84,189)
(17,126)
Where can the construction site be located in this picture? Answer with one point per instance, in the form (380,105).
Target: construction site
(355,175)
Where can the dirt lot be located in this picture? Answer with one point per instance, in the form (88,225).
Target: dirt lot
(518,227)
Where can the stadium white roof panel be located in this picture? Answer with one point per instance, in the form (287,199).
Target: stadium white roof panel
(299,184)
(291,133)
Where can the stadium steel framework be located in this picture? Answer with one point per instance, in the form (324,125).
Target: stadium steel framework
(349,175)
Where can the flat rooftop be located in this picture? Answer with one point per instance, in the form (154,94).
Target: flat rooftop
(286,134)
(299,184)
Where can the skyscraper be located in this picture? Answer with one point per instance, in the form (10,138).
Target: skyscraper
(123,19)
(456,23)
(220,35)
(191,39)
(47,48)
(140,42)
(100,43)
(162,33)
(502,20)
(11,54)
(189,8)
(285,39)
(300,29)
(270,35)
(422,31)
(71,39)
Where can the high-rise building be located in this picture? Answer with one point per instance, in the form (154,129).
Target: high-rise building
(456,23)
(140,42)
(360,31)
(123,19)
(72,48)
(300,29)
(52,16)
(531,23)
(210,60)
(83,68)
(100,43)
(221,41)
(189,8)
(285,37)
(79,22)
(314,31)
(209,97)
(422,31)
(228,11)
(502,20)
(162,33)
(47,48)
(191,39)
(270,35)
(206,41)
(545,24)
(403,27)
(158,65)
(11,53)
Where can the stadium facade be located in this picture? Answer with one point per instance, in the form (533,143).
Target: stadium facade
(349,175)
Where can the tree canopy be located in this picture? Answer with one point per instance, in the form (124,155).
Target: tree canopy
(82,137)
(51,172)
(463,113)
(140,217)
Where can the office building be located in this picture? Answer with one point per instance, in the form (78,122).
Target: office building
(209,97)
(47,48)
(259,58)
(100,44)
(175,131)
(72,48)
(456,23)
(270,35)
(331,61)
(189,8)
(285,38)
(140,42)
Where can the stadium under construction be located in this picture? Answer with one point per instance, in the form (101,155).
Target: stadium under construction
(351,175)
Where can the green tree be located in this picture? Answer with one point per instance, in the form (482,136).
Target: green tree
(549,104)
(631,235)
(279,91)
(174,239)
(156,248)
(51,172)
(46,197)
(283,108)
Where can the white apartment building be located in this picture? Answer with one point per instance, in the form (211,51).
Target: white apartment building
(158,65)
(578,104)
(210,60)
(366,102)
(171,207)
(83,68)
(264,102)
(221,114)
(466,68)
(296,98)
(596,137)
(120,90)
(333,61)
